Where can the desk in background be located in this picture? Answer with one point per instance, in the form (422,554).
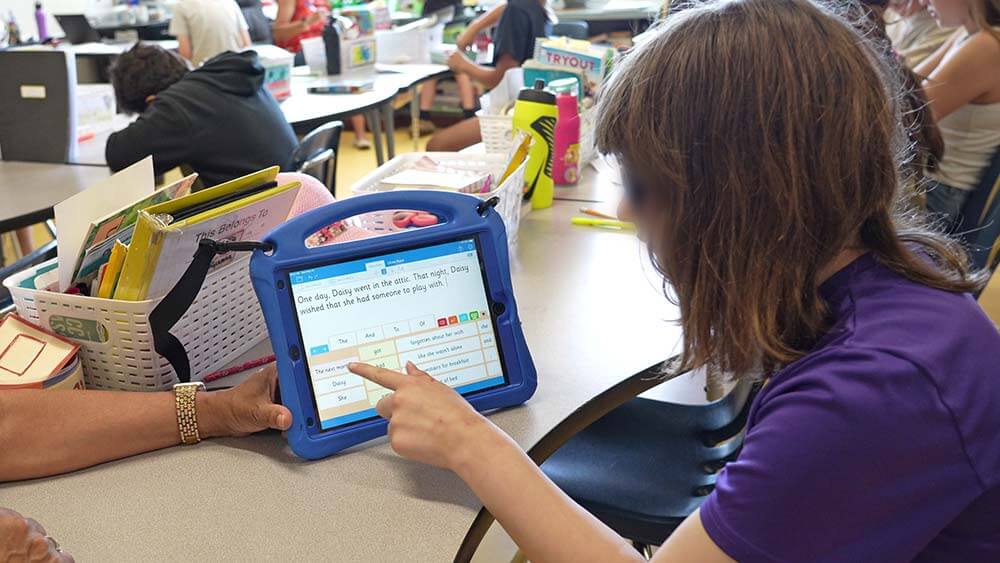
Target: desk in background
(29,190)
(613,10)
(592,316)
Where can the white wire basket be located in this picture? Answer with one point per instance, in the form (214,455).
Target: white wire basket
(116,344)
(511,192)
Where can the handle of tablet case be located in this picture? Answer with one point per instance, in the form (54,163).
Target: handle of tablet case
(450,207)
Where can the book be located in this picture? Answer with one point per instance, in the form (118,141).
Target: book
(30,354)
(343,87)
(534,70)
(167,235)
(118,226)
(593,60)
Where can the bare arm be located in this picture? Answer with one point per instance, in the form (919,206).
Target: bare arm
(927,66)
(964,75)
(245,38)
(283,28)
(50,432)
(488,76)
(483,22)
(184,46)
(431,423)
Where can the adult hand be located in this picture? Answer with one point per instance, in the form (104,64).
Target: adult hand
(457,61)
(247,408)
(23,539)
(428,421)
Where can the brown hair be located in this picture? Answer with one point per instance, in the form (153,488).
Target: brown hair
(763,162)
(986,14)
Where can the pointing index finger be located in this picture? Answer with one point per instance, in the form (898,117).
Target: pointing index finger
(384,377)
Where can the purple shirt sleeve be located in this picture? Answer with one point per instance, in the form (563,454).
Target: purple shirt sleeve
(850,455)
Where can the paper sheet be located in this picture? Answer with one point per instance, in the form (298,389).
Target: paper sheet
(74,215)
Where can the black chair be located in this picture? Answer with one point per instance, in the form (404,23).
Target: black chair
(258,26)
(647,465)
(641,466)
(45,252)
(573,30)
(317,154)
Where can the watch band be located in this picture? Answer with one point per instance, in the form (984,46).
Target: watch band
(187,415)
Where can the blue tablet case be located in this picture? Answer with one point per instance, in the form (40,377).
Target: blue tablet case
(459,215)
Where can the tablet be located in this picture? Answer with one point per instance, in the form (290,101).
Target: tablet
(439,296)
(428,305)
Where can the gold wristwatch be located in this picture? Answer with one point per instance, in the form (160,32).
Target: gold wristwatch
(187,415)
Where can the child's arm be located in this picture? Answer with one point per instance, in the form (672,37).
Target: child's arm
(51,432)
(284,29)
(184,47)
(488,76)
(431,423)
(964,75)
(927,66)
(483,22)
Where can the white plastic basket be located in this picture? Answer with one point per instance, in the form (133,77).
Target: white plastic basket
(511,192)
(497,132)
(116,345)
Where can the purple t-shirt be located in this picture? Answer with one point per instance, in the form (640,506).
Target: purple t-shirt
(882,444)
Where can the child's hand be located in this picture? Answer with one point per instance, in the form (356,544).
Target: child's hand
(465,39)
(428,421)
(247,408)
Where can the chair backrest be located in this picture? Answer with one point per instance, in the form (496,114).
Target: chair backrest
(980,218)
(316,154)
(573,30)
(38,97)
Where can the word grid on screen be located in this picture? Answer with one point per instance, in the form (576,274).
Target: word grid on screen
(426,305)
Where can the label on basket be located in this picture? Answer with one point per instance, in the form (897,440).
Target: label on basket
(78,329)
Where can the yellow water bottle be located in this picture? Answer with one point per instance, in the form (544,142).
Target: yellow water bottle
(535,113)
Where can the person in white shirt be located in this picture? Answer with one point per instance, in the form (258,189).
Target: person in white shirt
(205,28)
(913,31)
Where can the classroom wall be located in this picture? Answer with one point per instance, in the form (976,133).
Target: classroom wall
(24,13)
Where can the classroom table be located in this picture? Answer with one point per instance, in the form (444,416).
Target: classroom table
(30,190)
(305,111)
(593,314)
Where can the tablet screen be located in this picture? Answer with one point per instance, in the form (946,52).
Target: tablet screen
(427,305)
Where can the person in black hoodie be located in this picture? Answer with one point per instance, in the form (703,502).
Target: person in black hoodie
(218,120)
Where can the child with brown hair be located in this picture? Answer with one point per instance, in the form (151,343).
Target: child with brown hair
(764,181)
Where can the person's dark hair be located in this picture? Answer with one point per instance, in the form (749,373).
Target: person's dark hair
(142,71)
(759,164)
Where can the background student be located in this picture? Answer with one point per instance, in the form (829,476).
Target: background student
(963,88)
(218,120)
(520,23)
(205,28)
(874,435)
(466,89)
(913,31)
(303,19)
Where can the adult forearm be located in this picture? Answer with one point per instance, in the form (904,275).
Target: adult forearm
(531,508)
(50,432)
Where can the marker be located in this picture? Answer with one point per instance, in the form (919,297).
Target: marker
(603,223)
(596,213)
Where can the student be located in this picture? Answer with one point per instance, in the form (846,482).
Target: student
(218,120)
(302,19)
(520,23)
(963,86)
(913,31)
(466,89)
(766,197)
(205,28)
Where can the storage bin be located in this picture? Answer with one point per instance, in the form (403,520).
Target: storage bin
(116,345)
(510,192)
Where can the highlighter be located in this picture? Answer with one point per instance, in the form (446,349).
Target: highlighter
(535,113)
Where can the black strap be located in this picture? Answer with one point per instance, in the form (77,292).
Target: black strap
(177,302)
